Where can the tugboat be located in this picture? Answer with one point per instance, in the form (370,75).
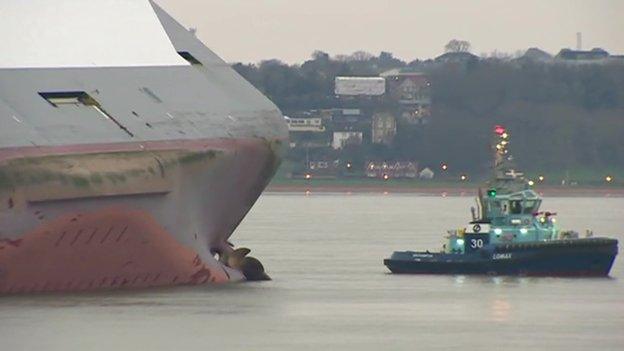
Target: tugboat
(509,235)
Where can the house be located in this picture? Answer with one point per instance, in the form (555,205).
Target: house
(384,128)
(426,173)
(344,138)
(323,168)
(359,86)
(305,124)
(412,91)
(535,55)
(595,55)
(387,170)
(350,120)
(408,88)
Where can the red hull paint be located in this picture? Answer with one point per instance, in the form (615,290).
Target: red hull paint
(113,248)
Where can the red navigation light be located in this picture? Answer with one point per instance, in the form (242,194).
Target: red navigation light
(498,129)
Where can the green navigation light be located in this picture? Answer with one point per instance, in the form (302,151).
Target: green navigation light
(491,193)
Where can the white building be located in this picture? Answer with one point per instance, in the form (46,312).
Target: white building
(384,128)
(426,173)
(356,86)
(341,139)
(305,124)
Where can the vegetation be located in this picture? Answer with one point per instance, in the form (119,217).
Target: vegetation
(563,118)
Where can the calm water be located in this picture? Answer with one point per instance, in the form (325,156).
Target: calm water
(330,290)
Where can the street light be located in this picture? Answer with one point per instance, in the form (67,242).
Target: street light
(608,179)
(463,177)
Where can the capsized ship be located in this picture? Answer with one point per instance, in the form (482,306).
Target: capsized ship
(511,236)
(129,152)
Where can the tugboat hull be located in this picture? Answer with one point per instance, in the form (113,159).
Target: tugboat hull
(577,257)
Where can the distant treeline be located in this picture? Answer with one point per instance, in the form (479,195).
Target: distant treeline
(562,117)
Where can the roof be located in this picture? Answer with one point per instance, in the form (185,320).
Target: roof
(593,54)
(536,54)
(401,72)
(354,78)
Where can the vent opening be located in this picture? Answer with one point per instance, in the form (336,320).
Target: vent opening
(190,58)
(57,99)
(60,99)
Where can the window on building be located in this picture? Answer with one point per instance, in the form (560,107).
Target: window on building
(515,207)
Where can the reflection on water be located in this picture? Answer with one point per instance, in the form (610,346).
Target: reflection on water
(331,291)
(500,310)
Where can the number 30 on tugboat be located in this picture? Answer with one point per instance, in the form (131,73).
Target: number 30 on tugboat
(510,235)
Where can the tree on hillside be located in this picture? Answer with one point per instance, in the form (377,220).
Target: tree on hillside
(361,56)
(457,46)
(319,55)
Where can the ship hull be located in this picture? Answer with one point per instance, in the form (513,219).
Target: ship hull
(131,215)
(579,257)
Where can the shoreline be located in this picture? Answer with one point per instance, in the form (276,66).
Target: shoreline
(437,190)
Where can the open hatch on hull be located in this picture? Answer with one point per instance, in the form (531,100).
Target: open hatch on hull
(60,99)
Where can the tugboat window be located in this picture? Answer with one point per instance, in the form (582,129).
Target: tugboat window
(515,207)
(529,206)
(504,208)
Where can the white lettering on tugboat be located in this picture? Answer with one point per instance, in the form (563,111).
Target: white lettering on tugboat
(476,243)
(501,256)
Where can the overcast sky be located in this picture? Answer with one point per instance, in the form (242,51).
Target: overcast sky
(290,30)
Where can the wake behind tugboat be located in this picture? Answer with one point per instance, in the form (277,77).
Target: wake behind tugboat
(511,236)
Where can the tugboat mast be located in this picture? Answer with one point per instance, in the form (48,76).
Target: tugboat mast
(506,179)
